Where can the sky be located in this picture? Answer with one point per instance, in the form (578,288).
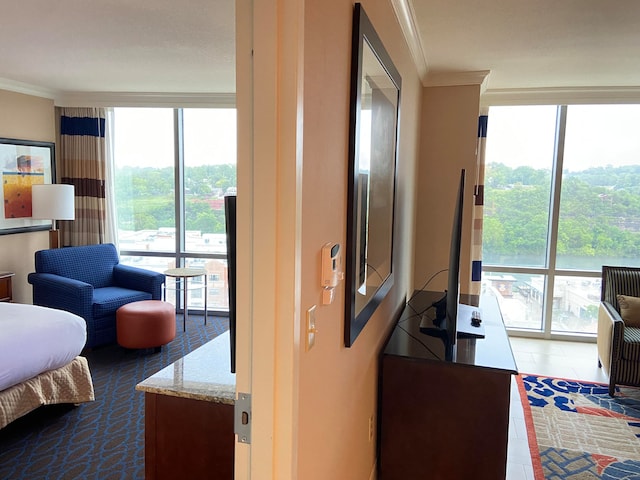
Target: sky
(144,136)
(596,135)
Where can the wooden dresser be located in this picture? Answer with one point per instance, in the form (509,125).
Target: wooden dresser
(189,416)
(442,419)
(6,294)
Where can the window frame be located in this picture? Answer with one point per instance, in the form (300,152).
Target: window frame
(180,254)
(549,271)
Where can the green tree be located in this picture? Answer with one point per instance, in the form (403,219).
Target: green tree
(145,197)
(599,216)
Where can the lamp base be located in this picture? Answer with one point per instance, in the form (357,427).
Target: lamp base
(54,238)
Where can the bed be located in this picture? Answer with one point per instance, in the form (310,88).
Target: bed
(40,362)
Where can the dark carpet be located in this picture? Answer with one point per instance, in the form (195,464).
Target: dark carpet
(104,439)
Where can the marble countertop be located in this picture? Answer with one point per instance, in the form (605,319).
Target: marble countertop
(204,374)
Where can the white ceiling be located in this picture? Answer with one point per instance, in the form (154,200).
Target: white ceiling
(178,47)
(533,44)
(164,46)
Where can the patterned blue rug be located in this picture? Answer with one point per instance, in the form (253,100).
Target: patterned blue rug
(101,440)
(577,431)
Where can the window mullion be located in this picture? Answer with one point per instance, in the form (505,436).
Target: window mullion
(554,214)
(179,185)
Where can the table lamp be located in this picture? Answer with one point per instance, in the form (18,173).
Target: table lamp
(53,202)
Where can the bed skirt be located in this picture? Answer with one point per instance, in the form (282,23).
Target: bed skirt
(68,384)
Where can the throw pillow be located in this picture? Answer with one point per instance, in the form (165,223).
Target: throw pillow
(629,310)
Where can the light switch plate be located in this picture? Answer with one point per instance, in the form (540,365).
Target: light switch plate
(311,327)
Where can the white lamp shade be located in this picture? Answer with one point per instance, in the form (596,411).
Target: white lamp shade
(53,202)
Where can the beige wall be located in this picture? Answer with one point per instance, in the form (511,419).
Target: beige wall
(338,385)
(24,117)
(449,129)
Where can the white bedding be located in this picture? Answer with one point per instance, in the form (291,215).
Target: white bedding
(36,339)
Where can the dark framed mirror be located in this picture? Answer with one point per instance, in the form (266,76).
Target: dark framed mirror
(373,134)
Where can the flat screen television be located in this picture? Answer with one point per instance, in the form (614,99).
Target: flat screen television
(230,225)
(445,324)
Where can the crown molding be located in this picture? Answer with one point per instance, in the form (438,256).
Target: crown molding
(407,20)
(560,96)
(449,79)
(122,99)
(27,89)
(145,99)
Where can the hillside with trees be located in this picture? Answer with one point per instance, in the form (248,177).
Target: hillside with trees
(599,213)
(145,197)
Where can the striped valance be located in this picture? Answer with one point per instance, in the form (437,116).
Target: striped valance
(86,187)
(82,126)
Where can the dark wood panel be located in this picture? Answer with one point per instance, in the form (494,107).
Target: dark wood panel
(150,435)
(6,294)
(442,421)
(188,438)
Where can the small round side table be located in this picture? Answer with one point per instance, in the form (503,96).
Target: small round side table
(184,274)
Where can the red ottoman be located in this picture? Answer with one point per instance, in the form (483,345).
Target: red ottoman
(146,324)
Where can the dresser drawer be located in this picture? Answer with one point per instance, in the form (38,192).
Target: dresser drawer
(5,286)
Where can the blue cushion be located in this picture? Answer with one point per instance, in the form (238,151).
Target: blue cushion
(108,299)
(72,262)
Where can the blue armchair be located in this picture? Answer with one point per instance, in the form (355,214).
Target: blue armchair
(90,282)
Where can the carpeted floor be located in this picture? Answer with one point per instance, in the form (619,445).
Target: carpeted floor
(577,431)
(101,440)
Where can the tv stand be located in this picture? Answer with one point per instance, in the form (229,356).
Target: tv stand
(444,419)
(433,331)
(441,309)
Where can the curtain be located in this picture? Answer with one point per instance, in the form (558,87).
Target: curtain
(111,230)
(478,207)
(81,163)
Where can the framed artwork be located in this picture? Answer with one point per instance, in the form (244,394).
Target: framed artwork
(373,146)
(23,163)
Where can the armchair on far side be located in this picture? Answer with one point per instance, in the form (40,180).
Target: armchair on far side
(619,326)
(90,282)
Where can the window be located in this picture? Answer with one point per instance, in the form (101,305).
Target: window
(173,168)
(562,198)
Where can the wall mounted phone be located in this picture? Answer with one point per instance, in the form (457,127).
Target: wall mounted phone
(332,272)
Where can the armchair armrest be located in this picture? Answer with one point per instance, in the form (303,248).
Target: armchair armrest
(64,293)
(610,335)
(136,278)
